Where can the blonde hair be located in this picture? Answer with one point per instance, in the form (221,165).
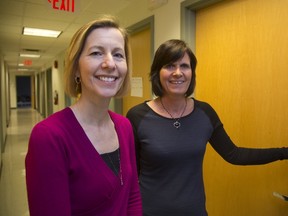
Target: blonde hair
(76,47)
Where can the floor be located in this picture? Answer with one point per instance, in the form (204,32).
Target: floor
(13,197)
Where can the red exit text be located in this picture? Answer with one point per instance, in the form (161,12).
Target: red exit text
(65,5)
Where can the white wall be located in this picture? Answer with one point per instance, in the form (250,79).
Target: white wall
(58,82)
(167,22)
(2,123)
(3,109)
(166,18)
(13,92)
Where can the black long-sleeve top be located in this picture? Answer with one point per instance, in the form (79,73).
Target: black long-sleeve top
(170,160)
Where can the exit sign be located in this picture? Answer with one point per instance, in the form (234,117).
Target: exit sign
(27,62)
(63,5)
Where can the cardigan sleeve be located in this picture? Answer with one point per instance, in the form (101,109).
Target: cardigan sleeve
(46,174)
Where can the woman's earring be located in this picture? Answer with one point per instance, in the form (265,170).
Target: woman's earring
(78,85)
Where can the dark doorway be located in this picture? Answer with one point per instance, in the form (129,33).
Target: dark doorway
(23,87)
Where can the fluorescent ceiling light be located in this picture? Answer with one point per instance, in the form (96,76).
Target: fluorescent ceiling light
(30,55)
(41,32)
(20,64)
(23,69)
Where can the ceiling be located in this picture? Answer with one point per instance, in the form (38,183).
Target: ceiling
(15,14)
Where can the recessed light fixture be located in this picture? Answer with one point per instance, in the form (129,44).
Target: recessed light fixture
(29,55)
(41,32)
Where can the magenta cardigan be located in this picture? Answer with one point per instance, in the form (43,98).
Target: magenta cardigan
(66,176)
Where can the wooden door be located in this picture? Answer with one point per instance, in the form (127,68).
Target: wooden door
(242,51)
(141,61)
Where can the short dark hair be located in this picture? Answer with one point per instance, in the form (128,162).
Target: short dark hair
(167,53)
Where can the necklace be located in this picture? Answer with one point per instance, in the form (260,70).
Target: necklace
(176,123)
(117,168)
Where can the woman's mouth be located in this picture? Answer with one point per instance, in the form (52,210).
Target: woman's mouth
(176,82)
(106,78)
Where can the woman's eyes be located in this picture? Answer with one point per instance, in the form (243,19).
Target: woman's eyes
(115,55)
(119,55)
(173,66)
(170,67)
(185,66)
(96,53)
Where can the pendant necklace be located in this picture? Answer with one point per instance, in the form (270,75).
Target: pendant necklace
(176,123)
(117,169)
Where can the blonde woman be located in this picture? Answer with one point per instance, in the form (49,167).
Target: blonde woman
(81,160)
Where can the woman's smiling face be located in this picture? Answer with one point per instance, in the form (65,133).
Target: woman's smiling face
(102,63)
(175,78)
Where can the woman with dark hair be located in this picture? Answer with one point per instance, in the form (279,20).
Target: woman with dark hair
(81,160)
(171,133)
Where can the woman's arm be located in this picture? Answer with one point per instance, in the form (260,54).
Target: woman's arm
(47,174)
(233,154)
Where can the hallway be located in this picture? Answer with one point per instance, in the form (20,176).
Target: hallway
(13,197)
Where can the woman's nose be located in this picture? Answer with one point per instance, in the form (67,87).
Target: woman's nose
(108,62)
(177,72)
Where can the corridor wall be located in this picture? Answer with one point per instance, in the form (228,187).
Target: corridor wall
(4,118)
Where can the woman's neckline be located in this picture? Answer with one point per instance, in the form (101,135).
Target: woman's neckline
(164,114)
